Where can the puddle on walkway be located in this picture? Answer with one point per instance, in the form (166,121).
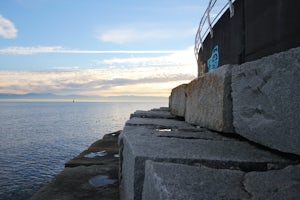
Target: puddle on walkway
(101,180)
(164,130)
(117,156)
(96,154)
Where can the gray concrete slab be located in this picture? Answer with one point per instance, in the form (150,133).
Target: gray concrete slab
(162,109)
(176,181)
(266,101)
(159,123)
(200,133)
(274,184)
(140,143)
(106,148)
(168,181)
(152,114)
(177,101)
(208,101)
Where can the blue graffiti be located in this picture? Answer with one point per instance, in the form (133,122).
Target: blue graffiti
(213,61)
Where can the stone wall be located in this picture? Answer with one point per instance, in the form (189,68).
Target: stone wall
(239,138)
(259,100)
(165,158)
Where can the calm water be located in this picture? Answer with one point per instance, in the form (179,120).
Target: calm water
(36,139)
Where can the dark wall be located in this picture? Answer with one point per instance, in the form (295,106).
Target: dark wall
(228,34)
(271,26)
(258,28)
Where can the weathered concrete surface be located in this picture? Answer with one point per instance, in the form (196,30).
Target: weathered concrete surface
(165,114)
(108,144)
(266,101)
(159,123)
(143,139)
(167,181)
(198,133)
(274,184)
(209,101)
(177,100)
(73,183)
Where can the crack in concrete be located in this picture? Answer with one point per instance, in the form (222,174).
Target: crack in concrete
(190,138)
(244,187)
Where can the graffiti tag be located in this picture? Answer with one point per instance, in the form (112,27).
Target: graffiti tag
(213,61)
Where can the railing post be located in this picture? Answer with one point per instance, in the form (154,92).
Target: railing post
(208,20)
(198,39)
(231,8)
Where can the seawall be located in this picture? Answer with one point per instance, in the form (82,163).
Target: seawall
(232,133)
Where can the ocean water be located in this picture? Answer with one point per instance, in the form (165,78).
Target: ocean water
(36,139)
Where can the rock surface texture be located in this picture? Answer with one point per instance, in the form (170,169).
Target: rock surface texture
(177,100)
(208,101)
(258,100)
(161,183)
(171,159)
(266,101)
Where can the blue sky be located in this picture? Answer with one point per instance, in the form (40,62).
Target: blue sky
(97,47)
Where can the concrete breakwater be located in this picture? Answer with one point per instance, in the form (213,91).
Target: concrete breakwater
(232,133)
(91,175)
(163,157)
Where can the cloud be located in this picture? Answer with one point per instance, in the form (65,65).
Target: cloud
(145,75)
(31,50)
(7,28)
(138,81)
(21,50)
(122,35)
(118,36)
(176,58)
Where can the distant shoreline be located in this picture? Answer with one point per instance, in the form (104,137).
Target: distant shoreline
(40,97)
(80,101)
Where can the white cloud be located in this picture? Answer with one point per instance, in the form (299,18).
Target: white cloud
(138,81)
(118,36)
(7,28)
(30,50)
(121,35)
(21,50)
(145,75)
(178,58)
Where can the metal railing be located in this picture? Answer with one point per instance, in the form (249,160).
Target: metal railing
(209,22)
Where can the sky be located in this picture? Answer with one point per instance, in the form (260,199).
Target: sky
(98,47)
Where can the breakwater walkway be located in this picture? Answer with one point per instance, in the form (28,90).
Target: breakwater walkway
(163,157)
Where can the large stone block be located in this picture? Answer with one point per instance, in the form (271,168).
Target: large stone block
(209,100)
(169,181)
(163,114)
(178,100)
(266,101)
(170,140)
(274,184)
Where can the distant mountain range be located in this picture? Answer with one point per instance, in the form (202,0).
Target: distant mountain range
(54,97)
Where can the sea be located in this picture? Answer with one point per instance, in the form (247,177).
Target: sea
(38,138)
